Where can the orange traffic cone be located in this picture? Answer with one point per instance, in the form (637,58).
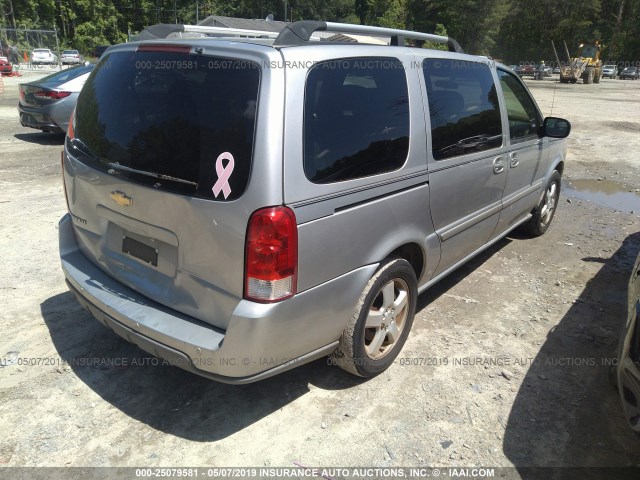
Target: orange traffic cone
(24,55)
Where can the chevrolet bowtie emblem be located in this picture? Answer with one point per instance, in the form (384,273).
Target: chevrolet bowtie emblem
(121,199)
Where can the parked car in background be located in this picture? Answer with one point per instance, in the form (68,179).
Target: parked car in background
(631,73)
(221,235)
(43,56)
(46,104)
(5,66)
(70,57)
(609,71)
(525,69)
(548,71)
(556,70)
(627,372)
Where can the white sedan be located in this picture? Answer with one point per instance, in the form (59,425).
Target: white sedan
(43,56)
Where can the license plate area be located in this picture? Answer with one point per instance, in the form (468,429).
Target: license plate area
(140,250)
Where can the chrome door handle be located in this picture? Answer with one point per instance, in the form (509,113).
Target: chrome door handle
(513,160)
(498,165)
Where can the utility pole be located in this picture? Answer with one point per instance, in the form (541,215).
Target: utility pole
(616,29)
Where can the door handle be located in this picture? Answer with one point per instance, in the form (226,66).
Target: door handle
(513,160)
(498,165)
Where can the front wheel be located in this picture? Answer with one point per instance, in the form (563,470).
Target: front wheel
(546,209)
(381,321)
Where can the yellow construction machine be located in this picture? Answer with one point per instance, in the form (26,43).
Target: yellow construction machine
(586,65)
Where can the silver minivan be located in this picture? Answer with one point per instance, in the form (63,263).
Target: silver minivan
(241,206)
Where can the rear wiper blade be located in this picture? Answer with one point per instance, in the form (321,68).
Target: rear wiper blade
(472,142)
(122,168)
(84,149)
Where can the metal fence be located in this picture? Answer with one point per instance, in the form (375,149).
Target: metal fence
(17,43)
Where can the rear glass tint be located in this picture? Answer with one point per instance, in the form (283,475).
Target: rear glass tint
(172,121)
(356,119)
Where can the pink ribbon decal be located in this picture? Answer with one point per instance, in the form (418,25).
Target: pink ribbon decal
(224,173)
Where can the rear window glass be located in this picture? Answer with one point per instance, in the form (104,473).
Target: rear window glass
(463,107)
(356,119)
(67,74)
(172,121)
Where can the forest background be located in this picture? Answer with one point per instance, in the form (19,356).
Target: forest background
(514,31)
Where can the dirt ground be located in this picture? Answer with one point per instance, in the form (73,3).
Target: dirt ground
(545,313)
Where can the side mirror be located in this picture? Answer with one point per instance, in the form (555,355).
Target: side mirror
(555,127)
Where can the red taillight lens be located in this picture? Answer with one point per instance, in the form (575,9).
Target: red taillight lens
(52,94)
(72,125)
(64,185)
(271,255)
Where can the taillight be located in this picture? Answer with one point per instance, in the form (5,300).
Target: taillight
(271,255)
(52,94)
(64,185)
(72,125)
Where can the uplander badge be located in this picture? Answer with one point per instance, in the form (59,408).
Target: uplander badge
(121,199)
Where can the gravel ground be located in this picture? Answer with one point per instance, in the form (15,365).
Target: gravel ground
(506,364)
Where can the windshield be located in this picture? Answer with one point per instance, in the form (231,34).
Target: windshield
(172,121)
(588,51)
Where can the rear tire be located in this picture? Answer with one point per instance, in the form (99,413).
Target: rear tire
(381,321)
(543,214)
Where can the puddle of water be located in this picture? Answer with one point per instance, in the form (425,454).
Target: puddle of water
(605,193)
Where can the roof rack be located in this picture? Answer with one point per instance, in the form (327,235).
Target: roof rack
(299,33)
(225,31)
(179,31)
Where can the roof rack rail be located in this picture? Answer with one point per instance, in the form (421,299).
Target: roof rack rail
(172,30)
(299,33)
(230,31)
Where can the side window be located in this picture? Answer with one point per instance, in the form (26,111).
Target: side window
(356,119)
(524,119)
(463,106)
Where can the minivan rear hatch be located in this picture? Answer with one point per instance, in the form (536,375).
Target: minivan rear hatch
(160,149)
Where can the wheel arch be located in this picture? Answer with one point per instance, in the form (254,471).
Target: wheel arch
(412,253)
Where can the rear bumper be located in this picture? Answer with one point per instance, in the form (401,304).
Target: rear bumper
(262,339)
(38,120)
